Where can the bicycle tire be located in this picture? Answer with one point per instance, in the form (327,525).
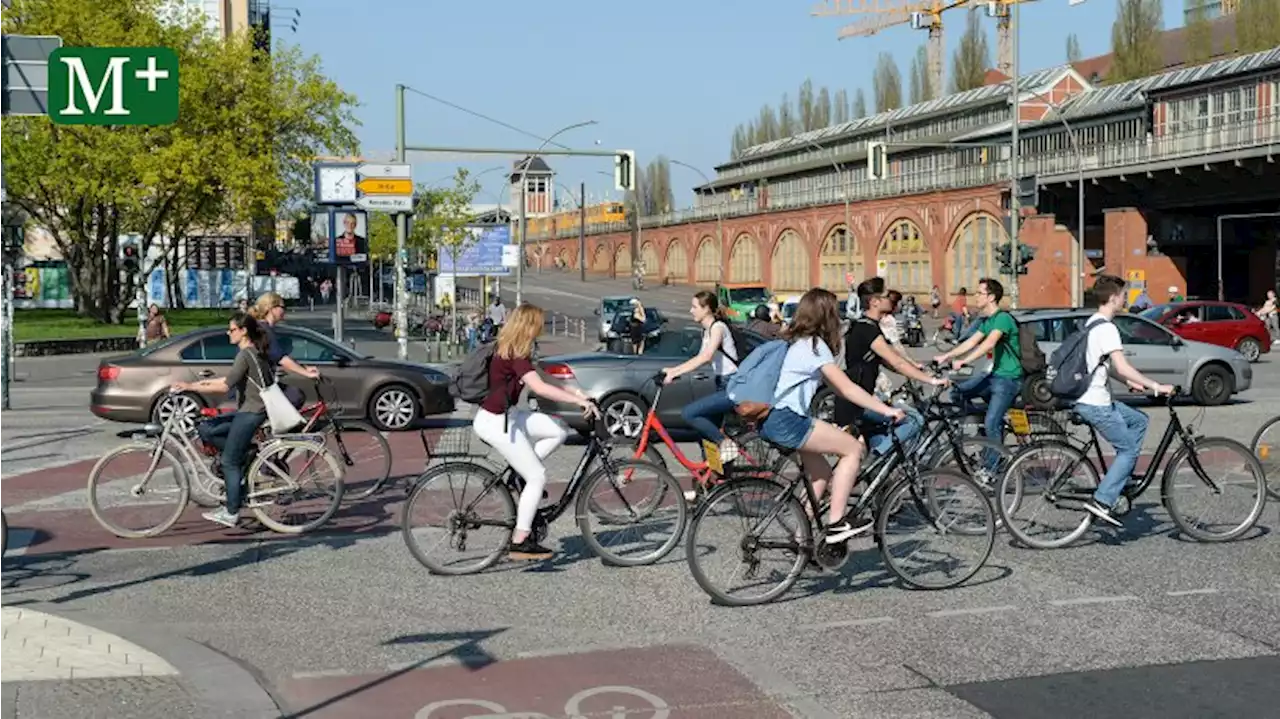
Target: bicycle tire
(180,474)
(987,479)
(670,488)
(290,446)
(1167,485)
(909,483)
(364,490)
(692,551)
(651,454)
(1012,479)
(420,490)
(1256,442)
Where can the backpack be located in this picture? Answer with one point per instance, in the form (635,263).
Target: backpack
(739,343)
(1069,373)
(753,389)
(471,382)
(1029,352)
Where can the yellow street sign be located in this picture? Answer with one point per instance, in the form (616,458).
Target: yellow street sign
(396,186)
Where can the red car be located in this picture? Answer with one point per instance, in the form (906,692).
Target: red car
(1225,324)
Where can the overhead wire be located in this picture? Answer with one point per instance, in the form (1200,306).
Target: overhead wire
(484,117)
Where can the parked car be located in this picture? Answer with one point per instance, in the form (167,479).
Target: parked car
(618,382)
(610,306)
(391,394)
(619,335)
(1225,324)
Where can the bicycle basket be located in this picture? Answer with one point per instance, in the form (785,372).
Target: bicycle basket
(453,442)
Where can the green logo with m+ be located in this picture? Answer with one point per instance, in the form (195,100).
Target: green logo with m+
(113,86)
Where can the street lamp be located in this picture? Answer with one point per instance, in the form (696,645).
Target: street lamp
(844,193)
(719,217)
(524,168)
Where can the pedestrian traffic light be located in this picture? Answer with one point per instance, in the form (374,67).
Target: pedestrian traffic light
(624,170)
(129,259)
(877,167)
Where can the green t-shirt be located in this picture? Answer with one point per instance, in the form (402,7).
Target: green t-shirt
(1007,360)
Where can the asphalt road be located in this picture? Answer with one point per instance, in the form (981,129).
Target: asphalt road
(345,623)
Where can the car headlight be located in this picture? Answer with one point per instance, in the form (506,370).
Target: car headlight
(434,377)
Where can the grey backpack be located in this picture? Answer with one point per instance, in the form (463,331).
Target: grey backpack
(471,381)
(1069,373)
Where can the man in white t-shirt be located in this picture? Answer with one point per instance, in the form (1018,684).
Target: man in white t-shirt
(1121,425)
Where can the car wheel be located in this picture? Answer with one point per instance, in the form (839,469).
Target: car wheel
(185,404)
(824,405)
(393,408)
(1035,391)
(1212,386)
(1250,348)
(623,415)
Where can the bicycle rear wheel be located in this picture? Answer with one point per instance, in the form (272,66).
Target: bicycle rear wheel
(148,477)
(952,523)
(985,461)
(721,530)
(1040,498)
(632,497)
(1242,486)
(454,503)
(300,480)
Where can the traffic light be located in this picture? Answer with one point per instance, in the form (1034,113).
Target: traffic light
(1026,253)
(877,166)
(1004,258)
(129,259)
(624,170)
(1028,191)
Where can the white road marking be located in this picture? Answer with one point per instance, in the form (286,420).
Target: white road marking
(870,621)
(970,610)
(1092,600)
(1189,592)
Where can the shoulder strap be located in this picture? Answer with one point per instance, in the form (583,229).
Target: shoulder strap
(720,347)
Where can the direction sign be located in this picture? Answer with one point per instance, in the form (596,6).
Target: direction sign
(26,73)
(383,170)
(393,186)
(385,203)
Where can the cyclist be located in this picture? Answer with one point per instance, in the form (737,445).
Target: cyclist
(523,437)
(866,350)
(762,323)
(1121,425)
(813,331)
(996,335)
(233,433)
(269,311)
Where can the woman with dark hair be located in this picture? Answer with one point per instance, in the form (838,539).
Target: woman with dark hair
(233,433)
(812,334)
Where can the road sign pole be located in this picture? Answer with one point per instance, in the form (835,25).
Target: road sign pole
(523,235)
(402,299)
(140,297)
(7,359)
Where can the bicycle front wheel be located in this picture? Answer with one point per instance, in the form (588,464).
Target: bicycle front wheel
(364,454)
(138,490)
(1041,496)
(458,506)
(294,486)
(640,509)
(935,529)
(1211,504)
(1266,447)
(982,460)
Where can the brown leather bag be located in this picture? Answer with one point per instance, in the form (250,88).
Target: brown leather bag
(753,411)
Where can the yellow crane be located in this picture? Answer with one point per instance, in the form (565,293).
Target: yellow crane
(921,15)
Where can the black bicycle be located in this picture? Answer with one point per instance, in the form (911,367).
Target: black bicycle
(1057,474)
(612,497)
(896,487)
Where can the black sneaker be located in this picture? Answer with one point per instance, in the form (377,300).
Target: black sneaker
(1097,509)
(529,550)
(846,528)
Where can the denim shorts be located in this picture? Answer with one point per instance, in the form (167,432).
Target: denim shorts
(786,428)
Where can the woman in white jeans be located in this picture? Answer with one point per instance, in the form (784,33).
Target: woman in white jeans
(523,438)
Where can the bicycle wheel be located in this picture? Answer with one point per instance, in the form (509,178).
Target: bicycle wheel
(1242,487)
(951,524)
(636,498)
(619,450)
(720,529)
(364,454)
(982,460)
(1050,480)
(1266,447)
(145,472)
(300,480)
(479,501)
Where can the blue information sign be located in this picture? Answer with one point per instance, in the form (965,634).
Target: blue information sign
(481,256)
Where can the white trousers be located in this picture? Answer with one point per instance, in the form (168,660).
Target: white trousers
(529,438)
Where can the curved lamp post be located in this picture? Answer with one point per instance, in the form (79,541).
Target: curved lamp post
(719,218)
(844,194)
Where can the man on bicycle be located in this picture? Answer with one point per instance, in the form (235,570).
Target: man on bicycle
(997,336)
(1121,425)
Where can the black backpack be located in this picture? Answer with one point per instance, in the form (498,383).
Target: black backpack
(1030,354)
(1069,373)
(739,343)
(471,382)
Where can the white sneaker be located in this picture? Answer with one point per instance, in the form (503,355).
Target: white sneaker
(223,517)
(728,450)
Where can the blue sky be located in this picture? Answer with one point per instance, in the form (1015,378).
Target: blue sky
(660,77)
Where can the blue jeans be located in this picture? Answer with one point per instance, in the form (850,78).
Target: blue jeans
(705,415)
(1124,428)
(880,442)
(999,393)
(232,434)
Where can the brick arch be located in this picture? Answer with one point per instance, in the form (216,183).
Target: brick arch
(602,259)
(908,263)
(622,259)
(838,256)
(789,263)
(676,263)
(744,259)
(896,216)
(970,252)
(707,261)
(991,207)
(649,256)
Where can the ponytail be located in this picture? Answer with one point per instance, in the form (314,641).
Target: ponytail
(710,301)
(253,329)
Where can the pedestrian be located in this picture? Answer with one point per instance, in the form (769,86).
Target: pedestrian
(935,300)
(1270,316)
(157,325)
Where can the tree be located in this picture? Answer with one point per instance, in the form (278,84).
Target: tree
(859,105)
(972,58)
(740,141)
(1257,25)
(787,121)
(840,107)
(805,100)
(766,126)
(248,129)
(886,83)
(822,109)
(1199,35)
(927,89)
(445,221)
(1135,40)
(1073,49)
(382,226)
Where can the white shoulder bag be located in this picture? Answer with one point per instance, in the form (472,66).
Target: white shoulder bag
(281,413)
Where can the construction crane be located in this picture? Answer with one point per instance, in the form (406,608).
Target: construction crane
(922,15)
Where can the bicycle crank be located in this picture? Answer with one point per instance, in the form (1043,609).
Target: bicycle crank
(831,556)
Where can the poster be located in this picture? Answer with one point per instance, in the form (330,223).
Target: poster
(351,239)
(156,287)
(226,294)
(192,290)
(320,231)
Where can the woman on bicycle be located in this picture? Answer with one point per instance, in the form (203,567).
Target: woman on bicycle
(809,360)
(269,310)
(233,433)
(523,437)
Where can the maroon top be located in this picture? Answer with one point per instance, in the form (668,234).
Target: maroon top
(504,383)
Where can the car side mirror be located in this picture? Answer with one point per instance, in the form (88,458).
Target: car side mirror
(597,311)
(343,361)
(1177,341)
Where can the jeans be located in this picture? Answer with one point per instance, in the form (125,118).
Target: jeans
(1124,428)
(999,393)
(706,414)
(880,442)
(232,434)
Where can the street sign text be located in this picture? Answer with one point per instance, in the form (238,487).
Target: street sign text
(113,86)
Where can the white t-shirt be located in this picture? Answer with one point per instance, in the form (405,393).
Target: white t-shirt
(1103,340)
(720,361)
(802,370)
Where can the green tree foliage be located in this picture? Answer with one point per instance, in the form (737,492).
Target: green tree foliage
(382,226)
(1135,39)
(972,58)
(1073,49)
(656,193)
(1199,35)
(822,110)
(886,83)
(859,105)
(919,79)
(813,109)
(248,129)
(1257,25)
(840,107)
(446,214)
(788,123)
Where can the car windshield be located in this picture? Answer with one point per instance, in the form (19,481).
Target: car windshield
(747,295)
(1155,313)
(612,306)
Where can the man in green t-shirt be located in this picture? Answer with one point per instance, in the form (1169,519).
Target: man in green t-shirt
(997,336)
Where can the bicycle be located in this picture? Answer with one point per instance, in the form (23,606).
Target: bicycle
(267,485)
(896,482)
(616,476)
(1062,490)
(1265,445)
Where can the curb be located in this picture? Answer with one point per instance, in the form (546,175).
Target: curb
(213,678)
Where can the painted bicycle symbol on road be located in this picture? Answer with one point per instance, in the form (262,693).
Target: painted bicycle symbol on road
(573,708)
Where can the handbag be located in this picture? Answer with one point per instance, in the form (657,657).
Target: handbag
(281,414)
